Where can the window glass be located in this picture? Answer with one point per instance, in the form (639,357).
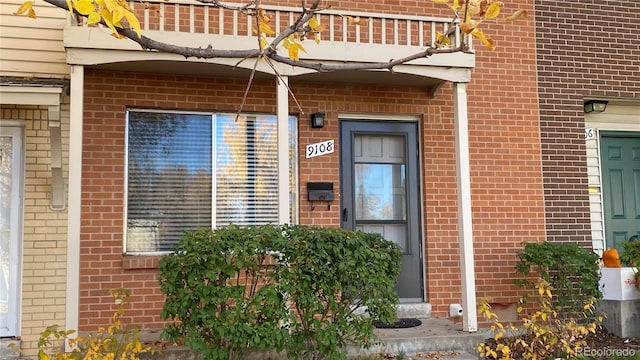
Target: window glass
(171,187)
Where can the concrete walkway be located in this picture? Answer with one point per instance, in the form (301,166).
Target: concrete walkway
(434,339)
(434,336)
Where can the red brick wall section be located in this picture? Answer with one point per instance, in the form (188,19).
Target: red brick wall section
(505,154)
(586,49)
(505,167)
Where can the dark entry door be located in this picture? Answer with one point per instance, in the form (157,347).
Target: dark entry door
(380,190)
(620,154)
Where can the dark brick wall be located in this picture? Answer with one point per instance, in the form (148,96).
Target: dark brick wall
(585,49)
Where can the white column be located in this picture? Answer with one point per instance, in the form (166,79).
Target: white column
(282,113)
(74,194)
(465,226)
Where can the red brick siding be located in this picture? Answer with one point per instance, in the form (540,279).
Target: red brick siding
(585,48)
(505,154)
(506,175)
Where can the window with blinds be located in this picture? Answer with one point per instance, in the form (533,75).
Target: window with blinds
(188,171)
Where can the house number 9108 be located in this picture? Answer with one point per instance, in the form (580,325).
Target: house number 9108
(321,148)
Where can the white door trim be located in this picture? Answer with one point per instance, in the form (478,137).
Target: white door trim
(12,327)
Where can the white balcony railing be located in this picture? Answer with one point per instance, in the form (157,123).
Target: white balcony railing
(384,29)
(378,38)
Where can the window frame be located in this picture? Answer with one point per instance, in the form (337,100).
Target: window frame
(294,166)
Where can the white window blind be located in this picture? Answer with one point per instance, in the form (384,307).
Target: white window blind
(172,159)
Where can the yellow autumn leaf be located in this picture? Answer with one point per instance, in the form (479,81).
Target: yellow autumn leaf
(293,52)
(266,29)
(517,15)
(490,44)
(133,21)
(316,38)
(442,40)
(110,4)
(300,47)
(357,20)
(93,18)
(41,354)
(106,17)
(474,8)
(455,5)
(85,7)
(498,336)
(294,47)
(117,14)
(69,5)
(263,43)
(469,26)
(25,8)
(493,10)
(314,24)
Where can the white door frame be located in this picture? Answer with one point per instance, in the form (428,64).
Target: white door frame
(11,327)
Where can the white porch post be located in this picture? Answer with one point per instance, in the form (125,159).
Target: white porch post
(282,113)
(74,203)
(465,226)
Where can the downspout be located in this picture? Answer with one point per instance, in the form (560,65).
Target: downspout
(465,225)
(72,308)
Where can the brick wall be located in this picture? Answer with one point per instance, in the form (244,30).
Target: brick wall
(585,49)
(45,231)
(507,186)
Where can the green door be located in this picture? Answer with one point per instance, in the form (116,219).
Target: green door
(620,156)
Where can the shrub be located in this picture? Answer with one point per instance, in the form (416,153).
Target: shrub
(333,272)
(117,341)
(547,335)
(221,289)
(286,288)
(571,271)
(630,256)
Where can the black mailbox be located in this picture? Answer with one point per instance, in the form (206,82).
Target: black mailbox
(320,191)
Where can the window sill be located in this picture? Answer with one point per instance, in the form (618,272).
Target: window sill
(137,261)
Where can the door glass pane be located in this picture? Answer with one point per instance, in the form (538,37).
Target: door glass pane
(380,191)
(6,187)
(392,232)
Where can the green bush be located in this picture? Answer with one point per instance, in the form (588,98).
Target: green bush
(572,272)
(630,256)
(333,272)
(283,288)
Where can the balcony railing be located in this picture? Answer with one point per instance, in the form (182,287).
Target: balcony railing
(378,38)
(185,16)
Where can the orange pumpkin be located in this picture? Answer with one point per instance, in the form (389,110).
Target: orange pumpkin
(611,258)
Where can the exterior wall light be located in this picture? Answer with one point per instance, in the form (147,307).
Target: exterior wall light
(595,106)
(317,120)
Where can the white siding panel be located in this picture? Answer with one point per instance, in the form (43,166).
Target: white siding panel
(32,47)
